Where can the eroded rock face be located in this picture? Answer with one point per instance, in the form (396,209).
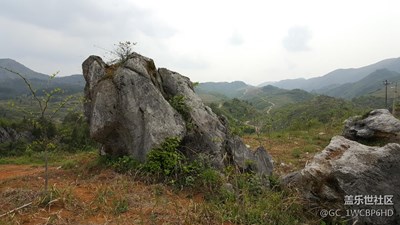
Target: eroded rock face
(347,167)
(129,113)
(8,134)
(378,124)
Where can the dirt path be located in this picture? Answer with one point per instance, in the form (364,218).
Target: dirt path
(13,171)
(270,108)
(101,196)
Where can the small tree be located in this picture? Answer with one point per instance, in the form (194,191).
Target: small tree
(122,51)
(43,123)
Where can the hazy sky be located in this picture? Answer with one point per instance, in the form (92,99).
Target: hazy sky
(208,40)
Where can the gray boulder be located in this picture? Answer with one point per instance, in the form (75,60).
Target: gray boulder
(349,168)
(376,125)
(8,134)
(129,111)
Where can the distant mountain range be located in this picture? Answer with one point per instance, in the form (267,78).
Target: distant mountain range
(342,83)
(337,77)
(12,85)
(369,85)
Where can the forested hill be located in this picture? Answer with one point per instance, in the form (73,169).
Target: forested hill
(11,85)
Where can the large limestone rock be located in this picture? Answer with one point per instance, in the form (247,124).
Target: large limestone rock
(376,125)
(346,167)
(129,113)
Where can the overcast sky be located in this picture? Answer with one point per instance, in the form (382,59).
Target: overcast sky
(208,40)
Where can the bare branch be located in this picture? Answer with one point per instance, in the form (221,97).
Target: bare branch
(11,211)
(33,92)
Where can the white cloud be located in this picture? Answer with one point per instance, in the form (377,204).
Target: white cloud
(297,39)
(236,39)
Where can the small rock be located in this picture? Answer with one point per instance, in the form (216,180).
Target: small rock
(376,125)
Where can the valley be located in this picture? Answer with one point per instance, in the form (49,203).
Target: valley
(293,125)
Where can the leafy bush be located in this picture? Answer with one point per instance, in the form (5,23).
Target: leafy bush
(125,164)
(13,148)
(178,103)
(210,179)
(167,164)
(74,133)
(166,159)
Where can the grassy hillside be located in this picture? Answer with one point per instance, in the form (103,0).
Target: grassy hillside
(269,95)
(321,111)
(339,77)
(228,89)
(11,85)
(370,85)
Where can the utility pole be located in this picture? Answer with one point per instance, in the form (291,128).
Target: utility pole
(386,83)
(394,100)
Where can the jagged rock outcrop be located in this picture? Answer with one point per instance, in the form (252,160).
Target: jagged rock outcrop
(378,124)
(9,134)
(129,111)
(126,109)
(347,167)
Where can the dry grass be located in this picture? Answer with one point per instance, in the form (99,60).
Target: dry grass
(102,197)
(85,193)
(292,150)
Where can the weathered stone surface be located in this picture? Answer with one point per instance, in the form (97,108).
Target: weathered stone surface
(129,113)
(208,133)
(9,134)
(346,167)
(259,160)
(377,124)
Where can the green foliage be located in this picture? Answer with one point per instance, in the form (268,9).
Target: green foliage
(120,206)
(122,51)
(239,114)
(276,97)
(320,111)
(124,164)
(167,164)
(71,135)
(178,103)
(238,109)
(13,148)
(372,102)
(249,201)
(74,133)
(210,179)
(195,84)
(165,159)
(296,153)
(43,128)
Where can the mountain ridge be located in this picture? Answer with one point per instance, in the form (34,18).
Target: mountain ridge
(338,77)
(11,85)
